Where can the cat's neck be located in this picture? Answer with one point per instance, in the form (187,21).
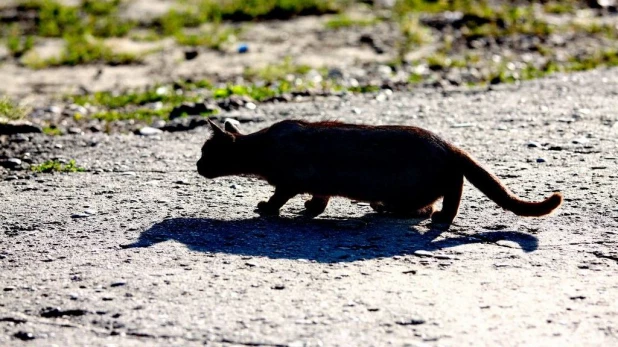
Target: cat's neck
(248,155)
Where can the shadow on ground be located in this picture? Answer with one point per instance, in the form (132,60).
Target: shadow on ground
(322,240)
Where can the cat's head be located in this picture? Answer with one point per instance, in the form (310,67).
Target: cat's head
(218,152)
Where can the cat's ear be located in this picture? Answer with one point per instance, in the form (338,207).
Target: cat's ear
(231,128)
(215,129)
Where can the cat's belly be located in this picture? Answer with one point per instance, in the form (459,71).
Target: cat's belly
(371,184)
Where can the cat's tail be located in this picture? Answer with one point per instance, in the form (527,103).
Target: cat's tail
(491,186)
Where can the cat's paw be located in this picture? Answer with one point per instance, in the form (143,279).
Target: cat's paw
(439,221)
(378,207)
(265,209)
(314,208)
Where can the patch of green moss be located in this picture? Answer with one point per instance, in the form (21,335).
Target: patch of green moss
(276,72)
(117,100)
(345,21)
(81,50)
(214,38)
(140,114)
(51,131)
(10,109)
(57,166)
(17,43)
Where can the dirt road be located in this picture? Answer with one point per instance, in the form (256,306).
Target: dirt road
(140,250)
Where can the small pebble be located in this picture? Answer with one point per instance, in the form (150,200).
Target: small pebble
(24,336)
(462,125)
(243,48)
(533,144)
(150,131)
(412,321)
(422,253)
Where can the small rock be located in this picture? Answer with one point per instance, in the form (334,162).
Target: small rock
(412,321)
(580,141)
(462,125)
(19,127)
(149,131)
(191,54)
(533,144)
(233,102)
(11,163)
(55,312)
(381,97)
(422,253)
(444,257)
(19,138)
(24,336)
(75,130)
(11,178)
(192,109)
(185,124)
(250,106)
(158,124)
(335,73)
(80,215)
(581,113)
(54,109)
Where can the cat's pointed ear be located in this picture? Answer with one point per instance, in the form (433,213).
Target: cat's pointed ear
(231,128)
(215,128)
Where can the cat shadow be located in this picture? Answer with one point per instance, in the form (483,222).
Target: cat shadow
(320,240)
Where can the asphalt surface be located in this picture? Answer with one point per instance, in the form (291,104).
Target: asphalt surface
(140,250)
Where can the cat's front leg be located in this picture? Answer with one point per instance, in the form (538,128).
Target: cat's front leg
(279,198)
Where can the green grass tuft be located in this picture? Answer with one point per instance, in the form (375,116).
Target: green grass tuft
(140,114)
(10,110)
(277,72)
(52,131)
(214,37)
(345,21)
(84,50)
(57,166)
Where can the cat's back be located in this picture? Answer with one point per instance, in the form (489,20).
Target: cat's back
(338,144)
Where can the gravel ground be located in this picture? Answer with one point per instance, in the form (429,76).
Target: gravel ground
(140,250)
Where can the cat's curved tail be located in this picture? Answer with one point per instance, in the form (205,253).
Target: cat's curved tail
(491,186)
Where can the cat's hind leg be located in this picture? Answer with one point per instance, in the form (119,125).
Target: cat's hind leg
(450,205)
(316,205)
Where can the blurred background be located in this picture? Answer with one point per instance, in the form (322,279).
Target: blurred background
(74,66)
